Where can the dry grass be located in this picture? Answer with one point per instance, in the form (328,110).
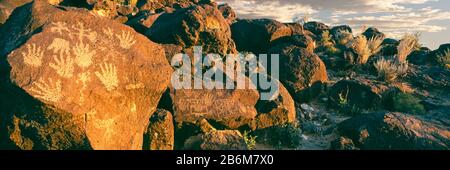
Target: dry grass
(361,47)
(389,70)
(366,48)
(374,44)
(407,45)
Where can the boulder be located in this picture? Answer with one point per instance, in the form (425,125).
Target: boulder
(277,112)
(299,40)
(229,108)
(302,72)
(198,25)
(440,56)
(160,132)
(392,130)
(430,77)
(153,5)
(73,80)
(390,41)
(143,21)
(317,28)
(228,13)
(373,32)
(420,56)
(341,28)
(105,8)
(340,34)
(217,140)
(256,35)
(7,7)
(343,143)
(388,50)
(297,28)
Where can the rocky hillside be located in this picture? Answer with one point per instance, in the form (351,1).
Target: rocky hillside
(96,74)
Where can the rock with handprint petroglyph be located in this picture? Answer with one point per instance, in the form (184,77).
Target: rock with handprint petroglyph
(73,80)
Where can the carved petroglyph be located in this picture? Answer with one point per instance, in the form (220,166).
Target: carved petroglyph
(33,56)
(59,27)
(133,108)
(196,104)
(83,55)
(108,76)
(48,91)
(83,78)
(208,99)
(106,124)
(126,40)
(59,46)
(81,32)
(135,86)
(109,33)
(64,65)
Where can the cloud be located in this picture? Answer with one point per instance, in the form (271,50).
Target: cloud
(395,17)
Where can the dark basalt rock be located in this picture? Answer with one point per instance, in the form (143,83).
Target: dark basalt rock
(393,130)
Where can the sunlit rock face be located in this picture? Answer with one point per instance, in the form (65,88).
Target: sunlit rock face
(74,80)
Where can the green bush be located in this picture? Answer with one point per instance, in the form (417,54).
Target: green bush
(250,140)
(407,103)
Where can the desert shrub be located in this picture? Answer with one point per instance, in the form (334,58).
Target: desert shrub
(360,46)
(325,39)
(389,70)
(344,105)
(126,2)
(408,44)
(288,135)
(407,103)
(366,48)
(374,44)
(302,20)
(250,140)
(444,58)
(326,45)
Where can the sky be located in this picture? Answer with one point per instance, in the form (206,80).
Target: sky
(431,18)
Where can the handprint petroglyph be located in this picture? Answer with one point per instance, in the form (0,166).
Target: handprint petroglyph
(83,55)
(109,33)
(108,76)
(59,27)
(64,65)
(59,46)
(49,91)
(208,99)
(33,56)
(126,40)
